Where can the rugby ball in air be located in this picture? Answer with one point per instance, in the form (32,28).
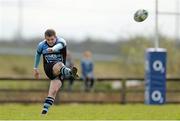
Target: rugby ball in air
(140,15)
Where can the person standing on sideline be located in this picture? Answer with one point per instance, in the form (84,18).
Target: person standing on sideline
(87,68)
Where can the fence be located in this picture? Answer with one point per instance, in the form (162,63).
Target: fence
(124,95)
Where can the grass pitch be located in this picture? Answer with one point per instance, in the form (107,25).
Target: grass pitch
(90,112)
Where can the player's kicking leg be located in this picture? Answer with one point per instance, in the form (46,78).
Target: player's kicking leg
(60,68)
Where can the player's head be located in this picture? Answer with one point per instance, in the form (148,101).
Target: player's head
(50,36)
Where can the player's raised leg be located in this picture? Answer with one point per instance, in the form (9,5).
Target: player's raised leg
(53,89)
(60,68)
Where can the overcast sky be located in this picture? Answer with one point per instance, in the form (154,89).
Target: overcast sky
(107,19)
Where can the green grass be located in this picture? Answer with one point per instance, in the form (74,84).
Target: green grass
(90,111)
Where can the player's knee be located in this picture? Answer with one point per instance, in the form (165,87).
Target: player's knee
(57,67)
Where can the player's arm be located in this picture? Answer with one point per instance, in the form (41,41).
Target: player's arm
(37,61)
(58,46)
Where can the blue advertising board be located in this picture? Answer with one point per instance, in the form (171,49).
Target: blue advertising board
(155,76)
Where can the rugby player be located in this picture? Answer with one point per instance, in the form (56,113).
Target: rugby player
(53,49)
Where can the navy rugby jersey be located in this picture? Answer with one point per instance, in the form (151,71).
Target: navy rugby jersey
(49,57)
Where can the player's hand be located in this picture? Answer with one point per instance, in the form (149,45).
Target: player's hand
(36,74)
(50,50)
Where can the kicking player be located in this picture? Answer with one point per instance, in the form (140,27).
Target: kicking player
(53,50)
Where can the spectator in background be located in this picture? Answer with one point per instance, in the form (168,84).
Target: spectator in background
(69,64)
(87,68)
